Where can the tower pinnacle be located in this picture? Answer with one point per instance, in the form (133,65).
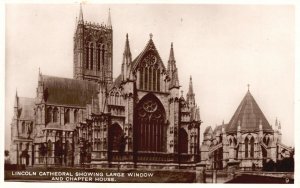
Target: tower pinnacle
(126,64)
(109,20)
(190,96)
(172,69)
(80,18)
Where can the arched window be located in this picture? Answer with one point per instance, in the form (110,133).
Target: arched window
(154,80)
(158,80)
(98,58)
(266,140)
(146,79)
(142,78)
(150,130)
(55,115)
(115,136)
(23,127)
(39,115)
(49,115)
(252,147)
(150,78)
(183,141)
(237,152)
(67,116)
(230,142)
(103,55)
(246,147)
(91,56)
(87,54)
(75,116)
(117,99)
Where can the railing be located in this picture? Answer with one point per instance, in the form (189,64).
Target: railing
(153,157)
(116,156)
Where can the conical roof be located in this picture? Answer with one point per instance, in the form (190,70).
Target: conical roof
(249,116)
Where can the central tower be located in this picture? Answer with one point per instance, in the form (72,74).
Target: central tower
(93,58)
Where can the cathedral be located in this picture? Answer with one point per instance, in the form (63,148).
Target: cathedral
(138,120)
(248,141)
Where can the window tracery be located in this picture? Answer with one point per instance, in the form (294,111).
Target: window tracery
(150,125)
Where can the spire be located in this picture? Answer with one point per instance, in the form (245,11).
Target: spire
(76,21)
(171,62)
(191,91)
(172,69)
(190,96)
(126,64)
(80,19)
(40,78)
(276,122)
(171,57)
(109,20)
(127,47)
(16,100)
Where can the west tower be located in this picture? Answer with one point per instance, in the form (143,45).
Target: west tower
(93,43)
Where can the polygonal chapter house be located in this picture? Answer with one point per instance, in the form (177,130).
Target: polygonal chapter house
(139,119)
(248,140)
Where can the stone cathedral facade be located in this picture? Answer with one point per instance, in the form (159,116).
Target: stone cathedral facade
(139,119)
(248,141)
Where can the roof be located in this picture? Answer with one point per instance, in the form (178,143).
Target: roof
(218,128)
(26,108)
(249,116)
(117,82)
(66,91)
(207,129)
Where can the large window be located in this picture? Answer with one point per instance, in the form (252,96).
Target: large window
(150,125)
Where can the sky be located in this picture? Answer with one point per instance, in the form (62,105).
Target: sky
(223,47)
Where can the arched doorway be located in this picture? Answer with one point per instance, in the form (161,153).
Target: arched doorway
(150,126)
(183,141)
(115,134)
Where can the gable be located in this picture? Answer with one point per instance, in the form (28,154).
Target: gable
(148,57)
